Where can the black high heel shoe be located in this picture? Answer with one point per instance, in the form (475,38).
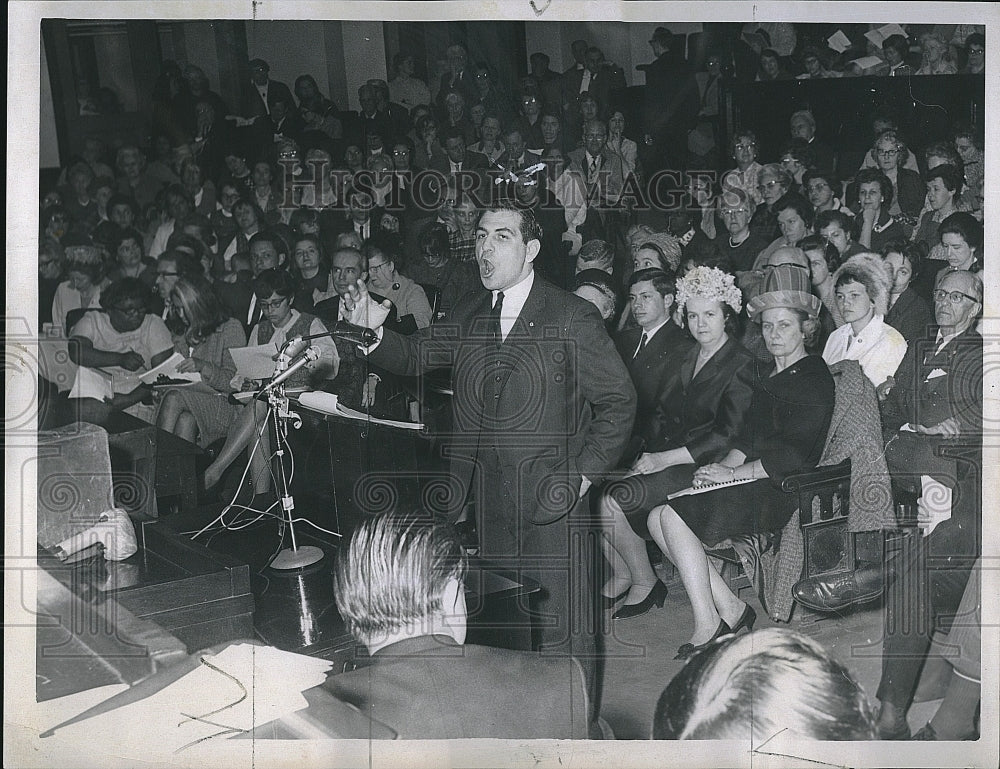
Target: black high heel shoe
(608,601)
(656,596)
(688,649)
(746,620)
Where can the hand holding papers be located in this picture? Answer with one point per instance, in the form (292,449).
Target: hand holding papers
(169,369)
(878,36)
(254,362)
(839,42)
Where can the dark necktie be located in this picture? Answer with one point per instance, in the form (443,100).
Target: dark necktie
(642,345)
(495,319)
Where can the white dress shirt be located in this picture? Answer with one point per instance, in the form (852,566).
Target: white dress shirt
(513,302)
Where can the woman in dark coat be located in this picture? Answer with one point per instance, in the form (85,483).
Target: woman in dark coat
(908,312)
(784,433)
(699,425)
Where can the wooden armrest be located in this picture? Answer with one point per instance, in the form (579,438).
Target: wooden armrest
(817,478)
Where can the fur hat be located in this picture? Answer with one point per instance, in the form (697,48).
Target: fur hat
(871,272)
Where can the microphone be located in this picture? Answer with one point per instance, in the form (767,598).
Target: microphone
(349,332)
(310,354)
(295,346)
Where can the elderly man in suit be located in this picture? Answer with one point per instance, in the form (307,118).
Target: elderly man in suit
(459,77)
(264,91)
(399,588)
(605,178)
(934,413)
(542,408)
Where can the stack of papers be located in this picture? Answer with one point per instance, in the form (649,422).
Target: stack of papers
(236,690)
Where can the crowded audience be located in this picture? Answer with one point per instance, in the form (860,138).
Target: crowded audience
(735,296)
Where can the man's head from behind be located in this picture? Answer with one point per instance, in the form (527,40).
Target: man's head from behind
(401,577)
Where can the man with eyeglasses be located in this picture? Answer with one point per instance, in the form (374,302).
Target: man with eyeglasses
(171,265)
(936,404)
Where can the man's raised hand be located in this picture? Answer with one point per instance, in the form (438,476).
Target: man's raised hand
(357,307)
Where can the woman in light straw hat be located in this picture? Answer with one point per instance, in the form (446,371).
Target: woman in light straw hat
(706,412)
(784,433)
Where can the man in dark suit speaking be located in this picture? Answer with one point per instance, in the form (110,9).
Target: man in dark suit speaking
(543,407)
(399,588)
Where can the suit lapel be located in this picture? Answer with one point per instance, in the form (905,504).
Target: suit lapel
(711,365)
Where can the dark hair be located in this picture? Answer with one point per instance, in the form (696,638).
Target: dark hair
(244,201)
(406,141)
(303,215)
(384,243)
(273,281)
(826,218)
(663,281)
(829,177)
(818,243)
(123,290)
(797,203)
(49,213)
(454,132)
(976,38)
(966,226)
(122,235)
(898,44)
(269,236)
(184,243)
(200,222)
(801,150)
(324,264)
(539,56)
(185,265)
(530,229)
(434,238)
(868,175)
(915,251)
(949,175)
(123,200)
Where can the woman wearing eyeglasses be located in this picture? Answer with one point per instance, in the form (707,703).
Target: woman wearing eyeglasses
(772,184)
(746,174)
(890,153)
(275,290)
(112,347)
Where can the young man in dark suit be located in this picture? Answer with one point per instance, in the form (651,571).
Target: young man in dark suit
(543,407)
(399,588)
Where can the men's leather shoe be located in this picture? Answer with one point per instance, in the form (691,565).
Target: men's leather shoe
(832,592)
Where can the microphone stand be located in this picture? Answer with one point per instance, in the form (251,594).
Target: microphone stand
(294,557)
